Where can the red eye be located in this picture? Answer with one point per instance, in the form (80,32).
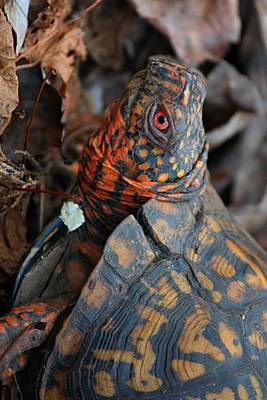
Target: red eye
(161,121)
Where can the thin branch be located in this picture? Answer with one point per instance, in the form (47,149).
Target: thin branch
(36,104)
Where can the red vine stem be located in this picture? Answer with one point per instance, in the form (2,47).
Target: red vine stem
(46,191)
(36,104)
(91,7)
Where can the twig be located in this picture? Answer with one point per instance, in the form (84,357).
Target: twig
(91,7)
(36,104)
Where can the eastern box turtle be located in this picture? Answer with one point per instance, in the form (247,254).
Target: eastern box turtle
(176,307)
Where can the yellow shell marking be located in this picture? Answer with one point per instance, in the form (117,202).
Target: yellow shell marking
(242,392)
(124,251)
(225,394)
(216,296)
(192,255)
(205,236)
(205,281)
(57,392)
(104,385)
(193,340)
(71,343)
(236,291)
(257,340)
(257,388)
(187,370)
(168,295)
(264,321)
(192,398)
(230,340)
(96,296)
(213,225)
(143,380)
(159,162)
(222,267)
(181,282)
(260,281)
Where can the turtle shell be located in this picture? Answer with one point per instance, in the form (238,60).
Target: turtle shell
(175,309)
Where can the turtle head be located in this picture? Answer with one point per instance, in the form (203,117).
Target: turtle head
(162,110)
(154,133)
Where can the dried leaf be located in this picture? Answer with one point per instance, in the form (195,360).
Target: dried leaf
(8,78)
(110,29)
(250,176)
(253,54)
(67,46)
(261,7)
(229,91)
(46,128)
(17,14)
(54,43)
(13,243)
(238,122)
(253,218)
(198,30)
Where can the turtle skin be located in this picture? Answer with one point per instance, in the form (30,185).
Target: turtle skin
(175,309)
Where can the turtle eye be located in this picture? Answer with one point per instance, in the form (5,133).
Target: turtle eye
(161,120)
(160,126)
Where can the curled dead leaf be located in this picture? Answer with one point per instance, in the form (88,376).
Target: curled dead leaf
(239,121)
(108,33)
(53,42)
(13,243)
(66,47)
(8,78)
(17,14)
(197,30)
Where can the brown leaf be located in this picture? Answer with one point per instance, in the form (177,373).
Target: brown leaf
(253,47)
(229,91)
(54,43)
(8,77)
(261,7)
(238,122)
(198,30)
(46,128)
(253,218)
(110,28)
(13,243)
(60,55)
